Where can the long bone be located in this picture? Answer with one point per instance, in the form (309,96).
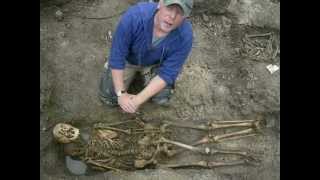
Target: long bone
(101,165)
(219,125)
(205,164)
(103,125)
(228,136)
(131,131)
(254,126)
(206,150)
(206,140)
(108,125)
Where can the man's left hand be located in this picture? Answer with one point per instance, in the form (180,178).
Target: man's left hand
(134,102)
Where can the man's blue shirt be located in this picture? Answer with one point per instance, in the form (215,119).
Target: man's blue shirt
(132,42)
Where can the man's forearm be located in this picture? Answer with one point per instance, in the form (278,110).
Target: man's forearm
(117,78)
(154,86)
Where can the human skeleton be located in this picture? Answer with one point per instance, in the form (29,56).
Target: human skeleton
(134,144)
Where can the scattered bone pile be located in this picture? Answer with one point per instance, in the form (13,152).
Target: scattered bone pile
(260,47)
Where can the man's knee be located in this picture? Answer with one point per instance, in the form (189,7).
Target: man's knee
(106,92)
(163,97)
(108,101)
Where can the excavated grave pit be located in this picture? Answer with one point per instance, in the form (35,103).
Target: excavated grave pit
(216,83)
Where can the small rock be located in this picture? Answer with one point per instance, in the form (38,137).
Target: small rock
(205,18)
(226,22)
(64,43)
(68,25)
(237,50)
(75,167)
(110,35)
(222,91)
(62,34)
(59,15)
(272,68)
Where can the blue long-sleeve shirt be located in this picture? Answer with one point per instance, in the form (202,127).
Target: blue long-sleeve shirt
(132,42)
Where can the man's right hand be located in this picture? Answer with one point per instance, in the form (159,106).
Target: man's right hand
(124,102)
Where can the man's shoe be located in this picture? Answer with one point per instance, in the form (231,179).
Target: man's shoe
(107,102)
(162,102)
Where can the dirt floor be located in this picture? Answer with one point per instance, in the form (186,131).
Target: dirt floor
(216,84)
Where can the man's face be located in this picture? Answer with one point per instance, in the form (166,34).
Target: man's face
(170,17)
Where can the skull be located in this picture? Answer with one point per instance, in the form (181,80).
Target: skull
(65,133)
